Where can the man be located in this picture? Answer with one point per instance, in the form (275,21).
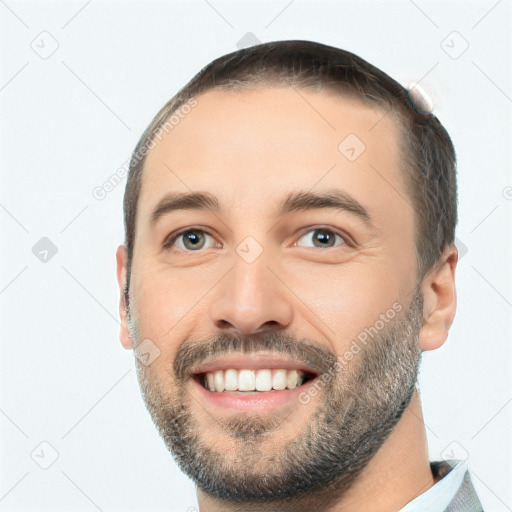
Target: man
(289,255)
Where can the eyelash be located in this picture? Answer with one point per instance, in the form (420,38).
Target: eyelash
(169,242)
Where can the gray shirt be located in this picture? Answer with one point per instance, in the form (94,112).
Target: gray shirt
(454,492)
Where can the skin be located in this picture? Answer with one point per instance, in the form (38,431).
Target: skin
(250,148)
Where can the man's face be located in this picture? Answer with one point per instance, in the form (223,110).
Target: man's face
(321,290)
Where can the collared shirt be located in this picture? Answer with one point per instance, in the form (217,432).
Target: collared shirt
(454,492)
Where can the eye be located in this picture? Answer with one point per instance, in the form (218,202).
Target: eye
(324,237)
(195,239)
(191,240)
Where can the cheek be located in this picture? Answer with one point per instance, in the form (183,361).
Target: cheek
(163,299)
(171,302)
(343,301)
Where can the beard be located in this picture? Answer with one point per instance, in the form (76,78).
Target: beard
(360,403)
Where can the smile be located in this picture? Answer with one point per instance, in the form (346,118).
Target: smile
(247,380)
(258,382)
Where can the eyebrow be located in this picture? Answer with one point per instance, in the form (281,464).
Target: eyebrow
(335,199)
(295,201)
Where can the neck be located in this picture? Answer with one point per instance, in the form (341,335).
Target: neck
(397,474)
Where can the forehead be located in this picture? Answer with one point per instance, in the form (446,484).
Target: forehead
(255,145)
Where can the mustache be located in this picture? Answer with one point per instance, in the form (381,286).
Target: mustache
(193,353)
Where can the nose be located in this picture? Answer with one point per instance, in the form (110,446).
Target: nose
(251,299)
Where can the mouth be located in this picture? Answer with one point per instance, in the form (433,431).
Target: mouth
(259,382)
(263,380)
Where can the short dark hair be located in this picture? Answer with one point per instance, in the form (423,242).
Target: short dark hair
(429,162)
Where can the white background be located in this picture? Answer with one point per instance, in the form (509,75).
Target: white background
(71,120)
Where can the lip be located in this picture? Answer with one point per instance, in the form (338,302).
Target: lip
(256,361)
(262,401)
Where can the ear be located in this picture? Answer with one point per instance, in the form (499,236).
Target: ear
(439,300)
(121,259)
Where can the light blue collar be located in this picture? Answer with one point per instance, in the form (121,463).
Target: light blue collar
(439,496)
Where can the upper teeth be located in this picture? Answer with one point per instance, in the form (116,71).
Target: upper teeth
(253,380)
